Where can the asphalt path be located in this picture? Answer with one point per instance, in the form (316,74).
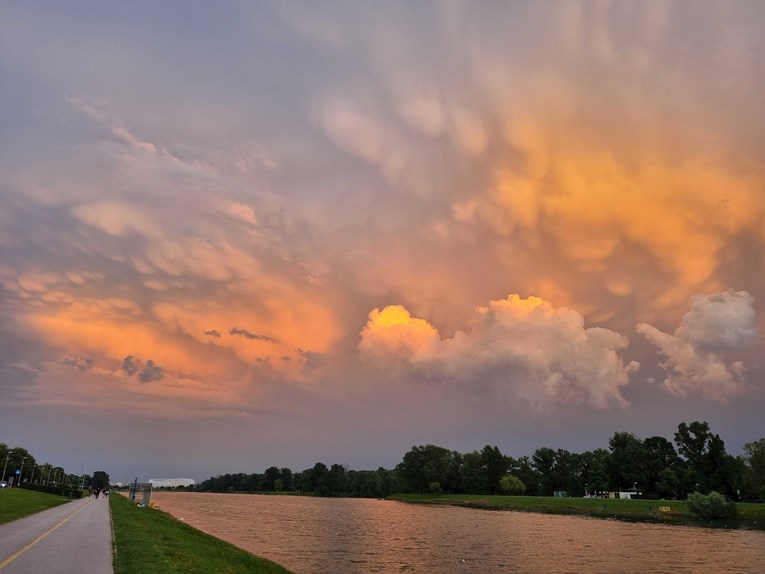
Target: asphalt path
(73,537)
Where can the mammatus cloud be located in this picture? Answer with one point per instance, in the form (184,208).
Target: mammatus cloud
(254,336)
(146,373)
(80,362)
(698,355)
(527,351)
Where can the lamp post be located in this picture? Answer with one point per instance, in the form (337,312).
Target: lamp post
(32,478)
(7,456)
(47,480)
(21,471)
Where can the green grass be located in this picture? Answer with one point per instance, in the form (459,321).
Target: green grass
(749,515)
(149,541)
(17,503)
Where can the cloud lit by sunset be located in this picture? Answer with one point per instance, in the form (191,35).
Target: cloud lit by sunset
(326,221)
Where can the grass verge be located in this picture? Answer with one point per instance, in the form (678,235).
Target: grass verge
(149,541)
(17,503)
(669,511)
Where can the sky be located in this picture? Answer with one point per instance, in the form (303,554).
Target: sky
(236,235)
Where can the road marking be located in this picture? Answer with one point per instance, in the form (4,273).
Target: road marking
(10,559)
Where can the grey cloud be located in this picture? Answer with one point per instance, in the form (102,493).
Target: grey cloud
(312,360)
(146,373)
(80,362)
(130,365)
(249,335)
(213,333)
(151,372)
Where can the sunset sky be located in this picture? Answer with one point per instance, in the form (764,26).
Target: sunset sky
(243,234)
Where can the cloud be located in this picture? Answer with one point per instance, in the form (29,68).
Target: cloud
(213,333)
(80,362)
(146,373)
(699,354)
(151,372)
(254,336)
(526,350)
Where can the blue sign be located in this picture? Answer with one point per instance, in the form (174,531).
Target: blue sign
(18,471)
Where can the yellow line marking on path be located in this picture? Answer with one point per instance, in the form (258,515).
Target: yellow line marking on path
(13,557)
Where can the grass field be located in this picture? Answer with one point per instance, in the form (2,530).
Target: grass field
(17,503)
(671,511)
(149,541)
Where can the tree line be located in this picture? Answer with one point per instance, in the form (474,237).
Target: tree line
(696,461)
(21,468)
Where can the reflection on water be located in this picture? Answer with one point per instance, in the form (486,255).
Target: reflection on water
(354,536)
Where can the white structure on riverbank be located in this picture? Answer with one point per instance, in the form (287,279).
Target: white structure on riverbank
(171,482)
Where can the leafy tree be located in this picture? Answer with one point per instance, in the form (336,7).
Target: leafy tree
(423,465)
(523,469)
(543,463)
(593,470)
(708,465)
(627,462)
(495,465)
(660,457)
(754,469)
(473,473)
(100,479)
(512,485)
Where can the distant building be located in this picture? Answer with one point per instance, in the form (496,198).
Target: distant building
(171,482)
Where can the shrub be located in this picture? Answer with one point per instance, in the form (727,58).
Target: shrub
(711,506)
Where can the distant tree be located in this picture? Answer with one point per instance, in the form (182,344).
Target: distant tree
(270,476)
(522,468)
(708,465)
(495,465)
(628,461)
(100,479)
(543,463)
(754,468)
(423,465)
(593,470)
(660,456)
(512,485)
(473,473)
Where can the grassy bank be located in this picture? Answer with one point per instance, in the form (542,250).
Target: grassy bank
(149,541)
(670,511)
(17,503)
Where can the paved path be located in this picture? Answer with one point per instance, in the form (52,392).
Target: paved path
(73,537)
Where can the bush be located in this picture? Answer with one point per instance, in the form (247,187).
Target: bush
(710,507)
(58,490)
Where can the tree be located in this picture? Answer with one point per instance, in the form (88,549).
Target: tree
(754,468)
(512,485)
(495,465)
(627,463)
(543,462)
(660,461)
(708,465)
(423,465)
(100,479)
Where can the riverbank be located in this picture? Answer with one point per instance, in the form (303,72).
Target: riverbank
(751,516)
(149,541)
(17,503)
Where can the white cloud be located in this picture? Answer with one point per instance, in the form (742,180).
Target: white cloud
(525,350)
(698,355)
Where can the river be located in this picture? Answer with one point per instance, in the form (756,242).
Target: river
(358,536)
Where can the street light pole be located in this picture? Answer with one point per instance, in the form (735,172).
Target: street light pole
(7,456)
(21,471)
(32,479)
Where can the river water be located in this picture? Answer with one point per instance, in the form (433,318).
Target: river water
(359,536)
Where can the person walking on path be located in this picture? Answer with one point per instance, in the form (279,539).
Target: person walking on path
(75,537)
